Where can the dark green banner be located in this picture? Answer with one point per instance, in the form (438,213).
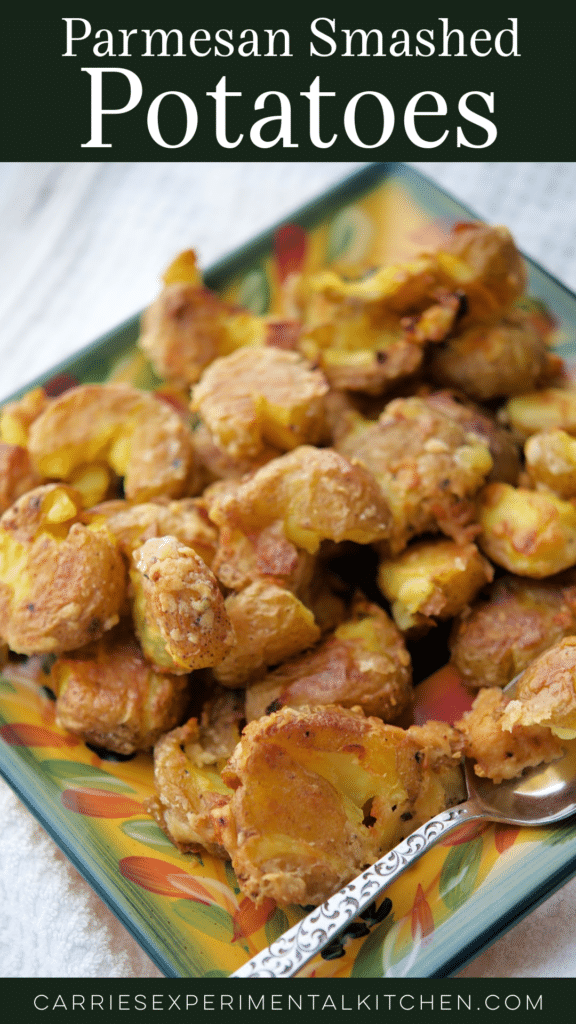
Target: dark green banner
(247,82)
(307,1000)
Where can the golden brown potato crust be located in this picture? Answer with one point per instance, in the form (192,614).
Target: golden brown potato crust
(519,620)
(266,554)
(432,580)
(17,417)
(551,462)
(142,438)
(179,611)
(529,533)
(318,794)
(270,624)
(364,662)
(188,326)
(493,361)
(17,474)
(503,447)
(427,465)
(258,397)
(62,584)
(546,692)
(498,751)
(186,519)
(316,493)
(189,796)
(109,695)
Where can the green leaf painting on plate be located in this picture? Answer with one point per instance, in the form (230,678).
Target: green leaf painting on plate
(71,773)
(459,873)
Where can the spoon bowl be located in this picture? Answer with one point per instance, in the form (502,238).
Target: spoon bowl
(540,796)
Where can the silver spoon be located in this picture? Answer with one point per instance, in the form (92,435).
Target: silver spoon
(540,796)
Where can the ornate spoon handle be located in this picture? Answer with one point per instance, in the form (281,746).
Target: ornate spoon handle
(293,950)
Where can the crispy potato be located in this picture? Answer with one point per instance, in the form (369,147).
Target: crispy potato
(188,326)
(530,533)
(432,580)
(178,608)
(319,793)
(218,464)
(110,696)
(316,493)
(503,447)
(17,475)
(480,260)
(266,396)
(364,662)
(17,417)
(185,518)
(519,620)
(545,694)
(62,584)
(139,436)
(501,753)
(270,624)
(264,554)
(536,411)
(427,465)
(493,361)
(189,796)
(551,462)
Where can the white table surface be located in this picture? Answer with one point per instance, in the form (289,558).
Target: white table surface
(81,249)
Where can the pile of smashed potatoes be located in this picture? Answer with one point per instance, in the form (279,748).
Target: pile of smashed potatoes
(238,569)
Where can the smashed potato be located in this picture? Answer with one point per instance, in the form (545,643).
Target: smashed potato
(519,619)
(185,518)
(241,559)
(530,533)
(427,465)
(62,584)
(17,475)
(188,326)
(110,696)
(551,462)
(266,396)
(499,751)
(319,793)
(432,580)
(547,409)
(493,361)
(363,663)
(545,695)
(179,611)
(270,625)
(142,439)
(317,495)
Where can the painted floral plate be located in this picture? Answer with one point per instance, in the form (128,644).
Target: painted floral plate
(186,910)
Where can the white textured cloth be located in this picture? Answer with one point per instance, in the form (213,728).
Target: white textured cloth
(81,248)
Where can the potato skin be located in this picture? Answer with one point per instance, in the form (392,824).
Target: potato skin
(364,662)
(179,611)
(545,695)
(132,524)
(109,695)
(17,475)
(529,533)
(428,468)
(519,619)
(315,493)
(551,462)
(318,794)
(493,361)
(552,408)
(62,584)
(142,438)
(270,625)
(432,580)
(498,751)
(258,397)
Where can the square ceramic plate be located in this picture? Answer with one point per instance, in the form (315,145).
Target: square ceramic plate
(187,911)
